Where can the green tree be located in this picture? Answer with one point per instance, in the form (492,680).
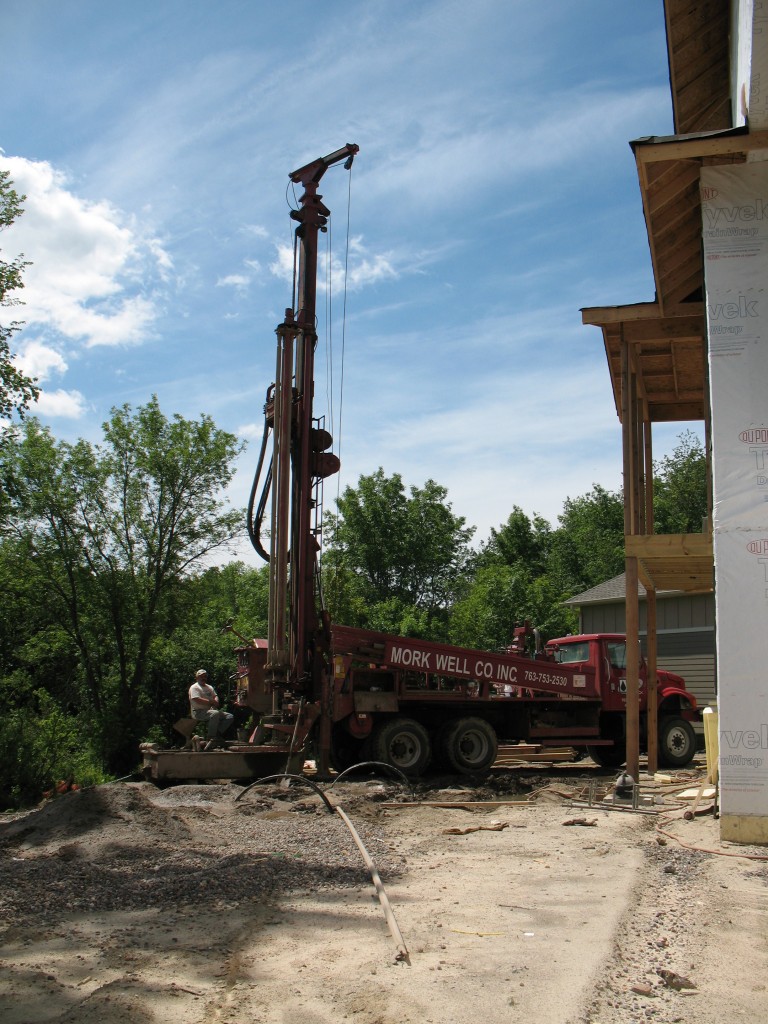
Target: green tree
(197,635)
(521,541)
(394,561)
(16,390)
(500,597)
(680,487)
(40,746)
(588,546)
(485,616)
(107,534)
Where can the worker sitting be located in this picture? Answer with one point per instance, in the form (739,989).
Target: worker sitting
(204,707)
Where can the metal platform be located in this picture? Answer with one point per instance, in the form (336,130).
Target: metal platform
(236,762)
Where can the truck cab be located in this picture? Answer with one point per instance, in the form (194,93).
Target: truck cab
(606,653)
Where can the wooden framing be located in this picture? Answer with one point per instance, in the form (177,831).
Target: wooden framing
(657,351)
(657,364)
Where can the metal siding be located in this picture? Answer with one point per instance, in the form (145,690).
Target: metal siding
(698,671)
(603,618)
(685,643)
(681,612)
(686,611)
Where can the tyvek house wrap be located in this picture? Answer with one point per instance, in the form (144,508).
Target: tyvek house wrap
(734,202)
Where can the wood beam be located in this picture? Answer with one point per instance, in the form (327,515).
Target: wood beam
(683,330)
(626,437)
(597,316)
(652,717)
(678,412)
(669,545)
(654,150)
(633,670)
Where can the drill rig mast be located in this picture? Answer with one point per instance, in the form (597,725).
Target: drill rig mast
(298,641)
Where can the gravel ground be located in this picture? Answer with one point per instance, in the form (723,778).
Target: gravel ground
(127,904)
(131,846)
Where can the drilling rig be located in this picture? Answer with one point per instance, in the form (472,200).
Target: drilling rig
(342,695)
(299,636)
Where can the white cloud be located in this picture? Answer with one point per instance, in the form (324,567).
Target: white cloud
(367,271)
(87,261)
(569,133)
(36,359)
(532,407)
(240,281)
(123,322)
(249,431)
(40,361)
(362,270)
(235,280)
(282,266)
(61,404)
(162,257)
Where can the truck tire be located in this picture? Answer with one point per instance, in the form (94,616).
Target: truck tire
(677,742)
(404,744)
(608,757)
(469,745)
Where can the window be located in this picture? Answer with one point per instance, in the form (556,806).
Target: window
(617,655)
(570,653)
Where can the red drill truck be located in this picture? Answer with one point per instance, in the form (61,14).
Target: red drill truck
(414,705)
(411,703)
(343,695)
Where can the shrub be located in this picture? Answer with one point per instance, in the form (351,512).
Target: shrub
(40,748)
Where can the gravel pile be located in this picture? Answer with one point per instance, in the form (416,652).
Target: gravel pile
(130,847)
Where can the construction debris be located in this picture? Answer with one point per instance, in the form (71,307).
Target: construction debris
(496,826)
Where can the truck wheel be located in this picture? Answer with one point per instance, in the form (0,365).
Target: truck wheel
(404,744)
(470,745)
(608,757)
(677,743)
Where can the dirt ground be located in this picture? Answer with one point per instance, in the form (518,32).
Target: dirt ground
(126,904)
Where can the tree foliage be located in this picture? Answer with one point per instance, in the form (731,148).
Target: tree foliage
(42,745)
(527,569)
(106,534)
(680,487)
(394,561)
(485,616)
(110,606)
(521,541)
(512,584)
(588,546)
(16,390)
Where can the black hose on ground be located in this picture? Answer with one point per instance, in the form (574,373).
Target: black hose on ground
(295,778)
(374,764)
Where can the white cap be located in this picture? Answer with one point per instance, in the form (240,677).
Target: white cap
(200,672)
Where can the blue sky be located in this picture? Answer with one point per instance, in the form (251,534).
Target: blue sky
(494,195)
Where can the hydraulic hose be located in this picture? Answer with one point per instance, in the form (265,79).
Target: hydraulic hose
(254,523)
(294,778)
(394,930)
